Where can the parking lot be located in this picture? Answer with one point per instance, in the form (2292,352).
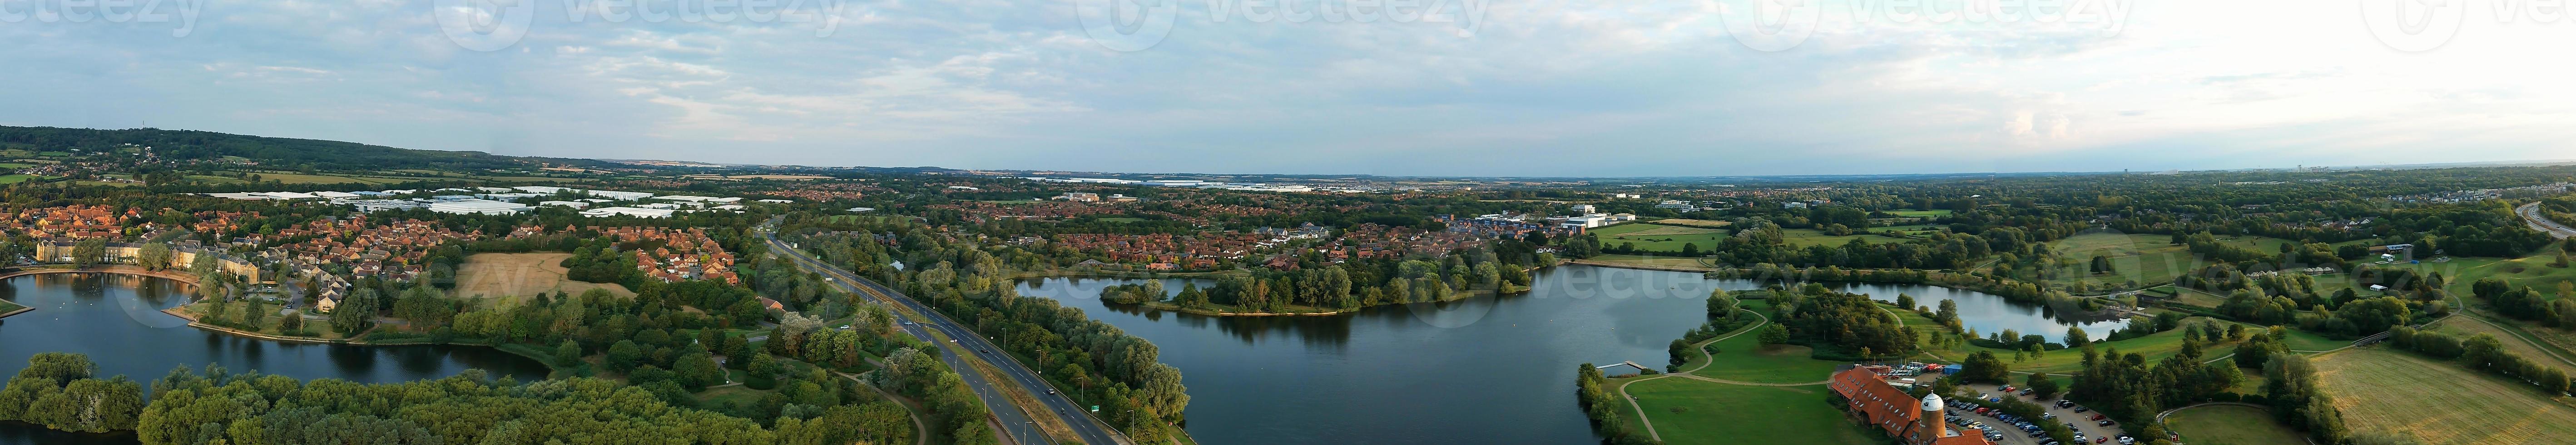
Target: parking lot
(2015,436)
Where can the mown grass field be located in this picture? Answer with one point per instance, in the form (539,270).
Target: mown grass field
(1660,238)
(2440,403)
(1920,213)
(1650,260)
(1687,411)
(13,179)
(1692,222)
(1813,237)
(2231,425)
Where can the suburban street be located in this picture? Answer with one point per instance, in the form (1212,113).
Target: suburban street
(2531,213)
(1015,422)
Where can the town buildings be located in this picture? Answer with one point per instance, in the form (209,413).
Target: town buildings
(1879,404)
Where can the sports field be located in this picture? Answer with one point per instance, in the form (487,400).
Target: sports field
(2440,403)
(520,276)
(2230,425)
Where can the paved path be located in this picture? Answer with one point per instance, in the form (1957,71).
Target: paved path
(1622,389)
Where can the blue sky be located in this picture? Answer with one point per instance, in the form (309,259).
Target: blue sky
(1501,87)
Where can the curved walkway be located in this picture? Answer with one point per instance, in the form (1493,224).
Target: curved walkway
(1702,347)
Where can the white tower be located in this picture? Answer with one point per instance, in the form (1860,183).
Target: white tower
(1934,425)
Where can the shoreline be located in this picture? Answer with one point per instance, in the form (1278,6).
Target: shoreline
(21,310)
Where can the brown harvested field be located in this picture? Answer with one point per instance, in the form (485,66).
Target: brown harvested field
(521,275)
(2440,403)
(1692,222)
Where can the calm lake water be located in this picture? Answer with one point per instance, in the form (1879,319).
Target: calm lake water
(1477,371)
(117,321)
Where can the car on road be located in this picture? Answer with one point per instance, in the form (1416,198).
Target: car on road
(1051,391)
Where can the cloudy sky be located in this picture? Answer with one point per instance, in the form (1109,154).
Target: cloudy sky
(1426,87)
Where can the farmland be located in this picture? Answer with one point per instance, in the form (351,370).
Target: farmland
(2380,390)
(520,276)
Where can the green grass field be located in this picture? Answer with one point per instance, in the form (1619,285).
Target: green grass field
(2440,403)
(13,179)
(7,307)
(1743,358)
(1651,260)
(2231,425)
(15,165)
(1920,213)
(1660,238)
(1687,411)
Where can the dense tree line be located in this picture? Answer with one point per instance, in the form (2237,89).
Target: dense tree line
(2483,352)
(59,391)
(1841,324)
(1593,392)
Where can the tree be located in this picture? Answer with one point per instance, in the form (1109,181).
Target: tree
(356,312)
(2041,386)
(624,355)
(1775,334)
(89,251)
(290,323)
(153,256)
(1721,305)
(1985,367)
(568,354)
(761,373)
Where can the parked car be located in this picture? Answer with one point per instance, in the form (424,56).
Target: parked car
(2082,409)
(2028,391)
(2065,403)
(2007,389)
(2106,423)
(2095,417)
(2101,439)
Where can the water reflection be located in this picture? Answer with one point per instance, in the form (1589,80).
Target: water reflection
(117,321)
(1488,369)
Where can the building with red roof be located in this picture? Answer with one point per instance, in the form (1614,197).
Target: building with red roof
(1917,422)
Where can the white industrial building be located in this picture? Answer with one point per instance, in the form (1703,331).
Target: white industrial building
(617,195)
(478,207)
(572,204)
(628,211)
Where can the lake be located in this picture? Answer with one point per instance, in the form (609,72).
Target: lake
(116,320)
(1474,371)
